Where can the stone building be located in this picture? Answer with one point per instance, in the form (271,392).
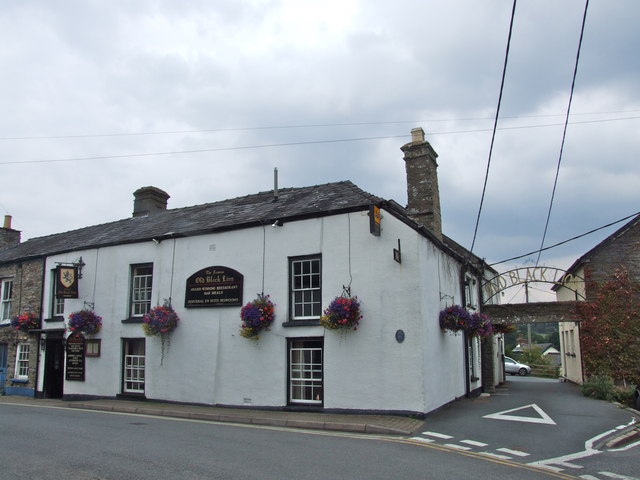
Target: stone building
(304,247)
(620,250)
(21,292)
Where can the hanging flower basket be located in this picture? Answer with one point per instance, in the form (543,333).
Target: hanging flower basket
(160,320)
(85,322)
(342,313)
(480,326)
(454,318)
(25,322)
(256,316)
(503,328)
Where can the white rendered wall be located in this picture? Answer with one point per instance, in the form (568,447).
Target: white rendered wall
(209,362)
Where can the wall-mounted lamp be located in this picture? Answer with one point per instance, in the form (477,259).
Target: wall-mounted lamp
(156,241)
(277,223)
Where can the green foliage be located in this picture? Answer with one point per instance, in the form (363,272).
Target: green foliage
(533,356)
(603,387)
(598,386)
(610,330)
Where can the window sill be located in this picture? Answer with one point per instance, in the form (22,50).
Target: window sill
(302,323)
(54,319)
(19,380)
(133,320)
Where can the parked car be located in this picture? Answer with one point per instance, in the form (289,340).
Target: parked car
(516,368)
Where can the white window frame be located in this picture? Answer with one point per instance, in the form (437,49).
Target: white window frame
(57,304)
(141,288)
(306,383)
(133,367)
(305,287)
(22,361)
(6,294)
(471,292)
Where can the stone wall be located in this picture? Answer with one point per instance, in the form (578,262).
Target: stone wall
(27,295)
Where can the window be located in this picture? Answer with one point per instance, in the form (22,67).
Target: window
(133,365)
(141,283)
(57,304)
(305,287)
(92,347)
(22,361)
(305,371)
(6,293)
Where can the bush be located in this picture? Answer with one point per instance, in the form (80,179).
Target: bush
(602,387)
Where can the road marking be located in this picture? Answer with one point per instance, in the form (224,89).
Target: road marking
(437,435)
(505,415)
(517,453)
(474,443)
(422,439)
(615,475)
(457,447)
(589,477)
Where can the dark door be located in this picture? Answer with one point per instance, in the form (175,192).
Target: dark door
(54,368)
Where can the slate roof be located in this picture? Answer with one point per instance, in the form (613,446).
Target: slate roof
(232,214)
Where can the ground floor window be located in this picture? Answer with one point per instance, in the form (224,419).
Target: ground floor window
(133,365)
(22,361)
(305,371)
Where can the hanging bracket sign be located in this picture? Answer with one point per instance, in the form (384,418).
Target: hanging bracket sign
(214,287)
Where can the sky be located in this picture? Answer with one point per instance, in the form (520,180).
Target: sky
(203,99)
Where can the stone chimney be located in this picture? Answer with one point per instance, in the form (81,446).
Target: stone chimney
(8,236)
(149,200)
(423,197)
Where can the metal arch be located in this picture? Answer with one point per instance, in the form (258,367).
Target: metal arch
(520,276)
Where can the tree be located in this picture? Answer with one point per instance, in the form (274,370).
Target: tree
(610,330)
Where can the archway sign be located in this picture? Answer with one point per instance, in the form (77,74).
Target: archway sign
(524,275)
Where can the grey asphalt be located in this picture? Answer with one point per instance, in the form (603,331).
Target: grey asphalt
(343,422)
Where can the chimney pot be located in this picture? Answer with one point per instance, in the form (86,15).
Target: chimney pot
(7,221)
(417,135)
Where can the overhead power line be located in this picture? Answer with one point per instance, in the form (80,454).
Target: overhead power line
(495,126)
(564,132)
(308,142)
(566,241)
(307,125)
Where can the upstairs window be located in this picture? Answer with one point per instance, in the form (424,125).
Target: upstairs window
(141,284)
(6,292)
(57,304)
(305,279)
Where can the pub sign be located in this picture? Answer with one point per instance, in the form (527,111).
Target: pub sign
(66,282)
(214,287)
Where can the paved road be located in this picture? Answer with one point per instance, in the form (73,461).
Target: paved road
(537,422)
(47,443)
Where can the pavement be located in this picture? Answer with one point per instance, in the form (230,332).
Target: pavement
(340,422)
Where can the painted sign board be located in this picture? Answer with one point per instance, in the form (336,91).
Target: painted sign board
(66,282)
(214,287)
(75,358)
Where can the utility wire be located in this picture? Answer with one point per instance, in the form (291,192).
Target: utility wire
(308,142)
(567,241)
(564,133)
(495,126)
(295,126)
